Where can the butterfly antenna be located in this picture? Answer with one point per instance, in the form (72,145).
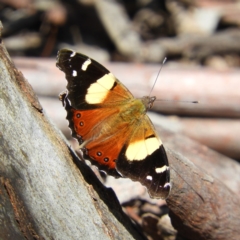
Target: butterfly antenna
(163,100)
(164,60)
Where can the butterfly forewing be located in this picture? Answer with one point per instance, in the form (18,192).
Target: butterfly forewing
(111,126)
(89,83)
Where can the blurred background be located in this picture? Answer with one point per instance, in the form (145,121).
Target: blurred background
(195,32)
(201,40)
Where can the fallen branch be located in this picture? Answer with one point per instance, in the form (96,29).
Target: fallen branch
(44,194)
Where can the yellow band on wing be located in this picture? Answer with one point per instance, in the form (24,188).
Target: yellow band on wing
(139,150)
(98,91)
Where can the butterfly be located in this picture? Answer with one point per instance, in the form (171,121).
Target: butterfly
(111,126)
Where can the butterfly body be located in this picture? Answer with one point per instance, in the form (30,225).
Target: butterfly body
(111,125)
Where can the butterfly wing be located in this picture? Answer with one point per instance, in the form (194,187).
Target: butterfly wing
(101,143)
(90,85)
(143,158)
(92,101)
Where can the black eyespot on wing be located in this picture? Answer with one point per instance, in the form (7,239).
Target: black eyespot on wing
(152,172)
(65,101)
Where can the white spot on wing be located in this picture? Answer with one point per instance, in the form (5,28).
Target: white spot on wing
(141,149)
(73,54)
(149,178)
(86,64)
(74,73)
(161,169)
(98,91)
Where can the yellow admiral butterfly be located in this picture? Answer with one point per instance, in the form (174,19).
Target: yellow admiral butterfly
(111,125)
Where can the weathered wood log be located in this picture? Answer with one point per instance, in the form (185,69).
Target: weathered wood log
(44,194)
(201,207)
(200,47)
(223,168)
(126,40)
(218,134)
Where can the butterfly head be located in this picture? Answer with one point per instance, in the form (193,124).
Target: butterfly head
(148,102)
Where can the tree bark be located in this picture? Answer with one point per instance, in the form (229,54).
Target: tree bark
(201,206)
(43,193)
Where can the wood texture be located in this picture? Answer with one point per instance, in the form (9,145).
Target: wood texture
(217,165)
(42,190)
(201,207)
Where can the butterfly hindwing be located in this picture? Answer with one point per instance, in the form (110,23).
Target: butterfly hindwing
(102,143)
(143,158)
(111,125)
